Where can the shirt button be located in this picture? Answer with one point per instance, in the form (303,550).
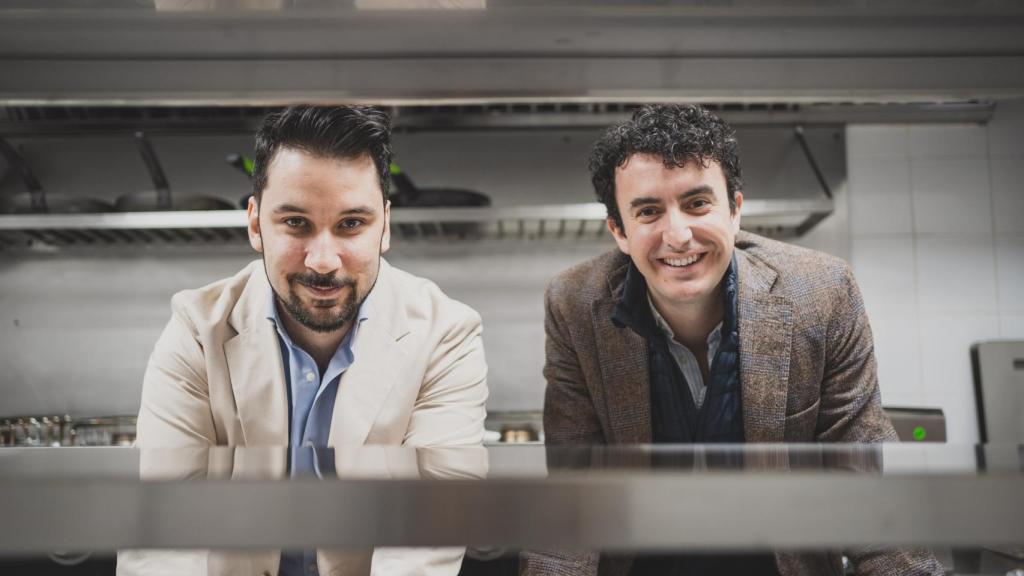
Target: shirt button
(310,377)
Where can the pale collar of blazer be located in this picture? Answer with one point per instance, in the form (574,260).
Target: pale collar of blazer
(765,324)
(257,370)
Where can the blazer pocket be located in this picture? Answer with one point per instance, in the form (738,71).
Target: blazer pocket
(800,427)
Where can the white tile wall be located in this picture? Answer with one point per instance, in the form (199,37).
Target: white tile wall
(1008,192)
(1005,133)
(1011,326)
(68,319)
(947,380)
(879,195)
(875,141)
(951,195)
(884,268)
(897,353)
(956,275)
(948,140)
(1010,273)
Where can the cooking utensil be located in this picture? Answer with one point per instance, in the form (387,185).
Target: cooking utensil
(160,197)
(37,201)
(407,194)
(245,165)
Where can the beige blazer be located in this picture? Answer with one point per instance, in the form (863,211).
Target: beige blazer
(216,377)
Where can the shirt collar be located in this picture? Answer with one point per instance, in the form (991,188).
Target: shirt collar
(662,324)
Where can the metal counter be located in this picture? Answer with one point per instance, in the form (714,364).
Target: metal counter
(637,498)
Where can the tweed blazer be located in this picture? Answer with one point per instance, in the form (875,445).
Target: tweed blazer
(216,378)
(806,363)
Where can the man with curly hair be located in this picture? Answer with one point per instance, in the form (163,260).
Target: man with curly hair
(695,332)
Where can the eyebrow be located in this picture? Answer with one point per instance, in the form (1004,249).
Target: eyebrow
(293,209)
(648,200)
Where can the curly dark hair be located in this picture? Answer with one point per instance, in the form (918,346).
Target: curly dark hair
(344,132)
(679,134)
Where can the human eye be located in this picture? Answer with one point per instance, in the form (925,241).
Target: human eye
(295,223)
(646,212)
(700,203)
(350,224)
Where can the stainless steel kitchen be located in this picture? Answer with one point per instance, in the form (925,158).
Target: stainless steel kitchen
(845,177)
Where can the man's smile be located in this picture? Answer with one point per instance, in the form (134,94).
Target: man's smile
(686,261)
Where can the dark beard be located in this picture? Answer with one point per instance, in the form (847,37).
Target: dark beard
(317,323)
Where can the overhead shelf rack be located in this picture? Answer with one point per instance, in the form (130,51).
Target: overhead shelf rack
(525,115)
(778,218)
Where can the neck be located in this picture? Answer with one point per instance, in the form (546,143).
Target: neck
(320,345)
(692,322)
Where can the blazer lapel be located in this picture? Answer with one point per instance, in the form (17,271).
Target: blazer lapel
(256,369)
(622,356)
(365,386)
(257,380)
(379,361)
(766,330)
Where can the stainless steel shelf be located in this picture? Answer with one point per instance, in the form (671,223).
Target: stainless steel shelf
(625,498)
(779,218)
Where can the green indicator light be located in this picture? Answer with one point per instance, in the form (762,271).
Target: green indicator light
(394,169)
(919,433)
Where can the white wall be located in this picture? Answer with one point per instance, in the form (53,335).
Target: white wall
(936,224)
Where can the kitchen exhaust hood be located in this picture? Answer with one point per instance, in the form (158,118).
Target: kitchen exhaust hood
(213,66)
(272,52)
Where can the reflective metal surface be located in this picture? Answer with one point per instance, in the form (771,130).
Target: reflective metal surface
(637,498)
(276,51)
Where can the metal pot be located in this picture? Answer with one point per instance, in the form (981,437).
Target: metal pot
(36,200)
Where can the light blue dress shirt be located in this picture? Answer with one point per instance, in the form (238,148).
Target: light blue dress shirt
(311,396)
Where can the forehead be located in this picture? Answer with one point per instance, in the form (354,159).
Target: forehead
(647,174)
(295,174)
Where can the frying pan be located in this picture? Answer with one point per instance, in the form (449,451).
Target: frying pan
(160,197)
(244,164)
(407,194)
(37,201)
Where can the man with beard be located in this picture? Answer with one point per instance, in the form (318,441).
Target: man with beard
(321,342)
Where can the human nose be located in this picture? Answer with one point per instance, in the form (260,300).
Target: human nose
(322,254)
(677,232)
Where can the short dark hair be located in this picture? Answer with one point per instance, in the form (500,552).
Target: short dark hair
(679,134)
(326,131)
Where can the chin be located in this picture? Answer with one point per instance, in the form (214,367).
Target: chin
(682,294)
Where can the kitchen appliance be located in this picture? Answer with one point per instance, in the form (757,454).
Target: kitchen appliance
(918,424)
(998,367)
